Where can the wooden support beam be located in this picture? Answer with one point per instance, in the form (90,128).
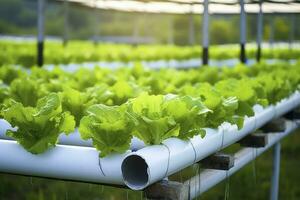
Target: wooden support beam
(295,114)
(255,140)
(276,125)
(218,161)
(169,190)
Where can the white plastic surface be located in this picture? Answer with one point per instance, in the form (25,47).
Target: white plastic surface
(207,145)
(62,162)
(156,158)
(179,149)
(287,104)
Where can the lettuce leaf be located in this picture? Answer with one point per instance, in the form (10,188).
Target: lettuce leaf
(189,113)
(4,93)
(75,102)
(38,127)
(153,124)
(25,91)
(9,73)
(109,127)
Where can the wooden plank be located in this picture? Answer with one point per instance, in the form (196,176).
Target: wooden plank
(254,140)
(276,125)
(295,114)
(169,190)
(218,161)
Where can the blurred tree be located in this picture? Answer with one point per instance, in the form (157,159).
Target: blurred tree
(281,28)
(221,31)
(18,17)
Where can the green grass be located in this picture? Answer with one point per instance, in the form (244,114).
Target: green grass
(252,182)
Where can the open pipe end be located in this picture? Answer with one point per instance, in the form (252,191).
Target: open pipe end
(135,172)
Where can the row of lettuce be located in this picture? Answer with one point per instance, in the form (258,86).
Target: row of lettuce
(112,106)
(24,53)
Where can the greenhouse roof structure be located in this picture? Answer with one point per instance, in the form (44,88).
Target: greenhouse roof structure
(192,6)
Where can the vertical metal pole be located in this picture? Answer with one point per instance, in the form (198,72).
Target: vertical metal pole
(259,31)
(271,39)
(66,22)
(191,27)
(275,174)
(205,33)
(292,31)
(40,38)
(96,24)
(171,31)
(242,32)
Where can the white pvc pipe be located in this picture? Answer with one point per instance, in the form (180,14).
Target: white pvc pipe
(156,64)
(153,163)
(4,125)
(261,117)
(62,162)
(74,139)
(285,105)
(209,178)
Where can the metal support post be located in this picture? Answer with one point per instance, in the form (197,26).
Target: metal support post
(205,33)
(259,31)
(292,31)
(275,173)
(40,38)
(243,32)
(96,23)
(271,39)
(66,22)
